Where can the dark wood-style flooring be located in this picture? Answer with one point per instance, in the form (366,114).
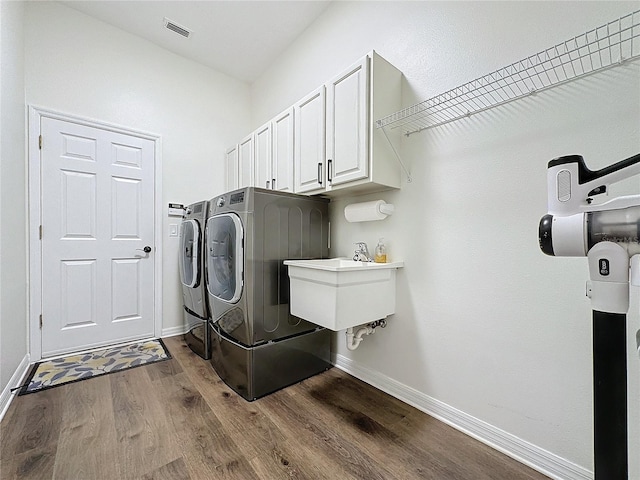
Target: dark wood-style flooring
(177,420)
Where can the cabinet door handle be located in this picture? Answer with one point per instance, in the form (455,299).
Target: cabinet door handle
(273,183)
(329,166)
(320,173)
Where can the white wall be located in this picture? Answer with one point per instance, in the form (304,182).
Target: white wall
(13,269)
(78,65)
(485,322)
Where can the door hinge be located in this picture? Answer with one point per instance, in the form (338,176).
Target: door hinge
(40,321)
(40,142)
(40,232)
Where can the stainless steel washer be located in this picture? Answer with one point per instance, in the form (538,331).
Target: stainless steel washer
(192,278)
(257,345)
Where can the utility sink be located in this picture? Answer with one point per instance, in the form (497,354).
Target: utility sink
(339,293)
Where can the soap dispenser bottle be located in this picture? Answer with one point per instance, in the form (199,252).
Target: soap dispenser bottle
(380,254)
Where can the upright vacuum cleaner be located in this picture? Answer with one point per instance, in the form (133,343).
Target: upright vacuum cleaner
(608,234)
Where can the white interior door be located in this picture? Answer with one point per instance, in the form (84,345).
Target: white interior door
(97,214)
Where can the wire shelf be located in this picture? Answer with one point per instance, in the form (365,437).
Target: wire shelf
(603,47)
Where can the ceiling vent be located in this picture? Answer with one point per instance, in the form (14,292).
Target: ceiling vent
(179,29)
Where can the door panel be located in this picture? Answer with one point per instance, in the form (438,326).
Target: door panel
(97,209)
(262,161)
(189,253)
(232,168)
(126,210)
(78,205)
(283,144)
(78,281)
(127,289)
(225,257)
(245,162)
(309,143)
(347,124)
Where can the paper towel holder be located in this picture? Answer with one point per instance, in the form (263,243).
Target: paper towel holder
(386,208)
(368,211)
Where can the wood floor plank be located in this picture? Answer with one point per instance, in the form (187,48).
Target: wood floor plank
(336,384)
(175,470)
(430,434)
(199,371)
(328,443)
(403,457)
(289,460)
(177,420)
(30,442)
(145,441)
(87,426)
(254,432)
(207,447)
(165,368)
(36,464)
(350,399)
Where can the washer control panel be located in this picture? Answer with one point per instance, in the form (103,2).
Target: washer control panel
(237,197)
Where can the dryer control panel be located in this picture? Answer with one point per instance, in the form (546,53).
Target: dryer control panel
(237,197)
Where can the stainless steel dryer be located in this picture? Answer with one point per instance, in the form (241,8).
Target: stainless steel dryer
(192,277)
(257,346)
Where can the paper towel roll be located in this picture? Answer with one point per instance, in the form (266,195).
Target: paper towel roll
(367,211)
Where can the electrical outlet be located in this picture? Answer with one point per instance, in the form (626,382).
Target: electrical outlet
(173,230)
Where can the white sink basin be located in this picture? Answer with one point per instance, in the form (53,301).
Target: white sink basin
(338,293)
(341,264)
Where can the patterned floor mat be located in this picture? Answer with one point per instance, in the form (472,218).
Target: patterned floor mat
(73,368)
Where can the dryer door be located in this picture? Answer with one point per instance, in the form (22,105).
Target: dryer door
(190,253)
(225,257)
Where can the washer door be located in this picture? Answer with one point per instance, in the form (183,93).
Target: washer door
(225,257)
(190,253)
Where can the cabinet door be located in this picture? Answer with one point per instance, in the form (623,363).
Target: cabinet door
(348,125)
(262,160)
(283,144)
(245,162)
(309,165)
(231,166)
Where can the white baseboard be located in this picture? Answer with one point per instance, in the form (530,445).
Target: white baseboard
(173,331)
(537,458)
(6,397)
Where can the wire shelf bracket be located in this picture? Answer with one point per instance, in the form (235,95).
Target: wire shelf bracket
(397,155)
(609,45)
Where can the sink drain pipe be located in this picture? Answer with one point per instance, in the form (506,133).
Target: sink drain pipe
(354,339)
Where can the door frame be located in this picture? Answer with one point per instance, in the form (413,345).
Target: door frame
(34,210)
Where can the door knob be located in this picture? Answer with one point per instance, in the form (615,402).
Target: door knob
(146,249)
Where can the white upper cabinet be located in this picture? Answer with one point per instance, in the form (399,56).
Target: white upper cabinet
(327,142)
(245,162)
(309,133)
(283,145)
(347,121)
(346,153)
(263,157)
(231,167)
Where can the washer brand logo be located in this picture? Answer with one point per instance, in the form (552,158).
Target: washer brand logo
(604,266)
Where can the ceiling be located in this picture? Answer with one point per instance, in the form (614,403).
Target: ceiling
(238,38)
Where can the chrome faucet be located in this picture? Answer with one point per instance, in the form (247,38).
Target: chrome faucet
(362,253)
